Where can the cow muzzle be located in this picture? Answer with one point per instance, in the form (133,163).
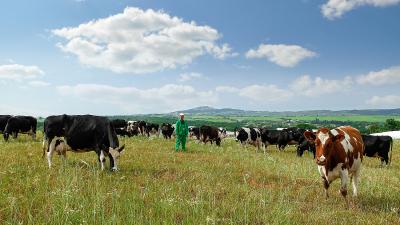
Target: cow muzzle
(321,160)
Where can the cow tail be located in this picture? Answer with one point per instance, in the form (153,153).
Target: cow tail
(391,150)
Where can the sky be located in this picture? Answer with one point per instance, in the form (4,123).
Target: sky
(125,57)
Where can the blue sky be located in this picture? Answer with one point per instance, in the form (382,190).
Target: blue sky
(124,57)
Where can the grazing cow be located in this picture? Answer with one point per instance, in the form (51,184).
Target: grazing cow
(305,146)
(209,133)
(167,129)
(339,153)
(152,128)
(250,136)
(3,122)
(121,127)
(194,132)
(378,146)
(83,133)
(20,124)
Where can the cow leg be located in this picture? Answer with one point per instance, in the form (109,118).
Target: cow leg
(50,152)
(15,135)
(102,159)
(355,180)
(344,175)
(326,186)
(264,148)
(44,145)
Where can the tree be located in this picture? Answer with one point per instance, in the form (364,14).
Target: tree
(392,124)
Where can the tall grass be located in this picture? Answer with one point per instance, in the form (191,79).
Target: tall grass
(206,185)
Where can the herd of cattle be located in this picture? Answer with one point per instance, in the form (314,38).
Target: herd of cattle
(57,126)
(338,152)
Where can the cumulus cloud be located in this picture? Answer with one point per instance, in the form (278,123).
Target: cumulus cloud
(190,76)
(258,93)
(135,100)
(141,41)
(385,76)
(19,72)
(38,83)
(305,85)
(334,9)
(283,55)
(385,101)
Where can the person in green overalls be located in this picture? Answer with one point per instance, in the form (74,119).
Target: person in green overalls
(182,131)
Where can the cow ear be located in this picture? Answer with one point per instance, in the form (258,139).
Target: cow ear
(121,148)
(309,135)
(339,137)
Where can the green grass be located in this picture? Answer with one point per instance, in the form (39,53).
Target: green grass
(207,185)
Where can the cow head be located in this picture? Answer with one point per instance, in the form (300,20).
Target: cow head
(324,142)
(6,135)
(115,153)
(221,133)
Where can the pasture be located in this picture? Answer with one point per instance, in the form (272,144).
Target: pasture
(206,185)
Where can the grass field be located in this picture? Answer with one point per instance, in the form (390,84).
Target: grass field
(206,185)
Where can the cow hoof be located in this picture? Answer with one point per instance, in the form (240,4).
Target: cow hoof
(114,170)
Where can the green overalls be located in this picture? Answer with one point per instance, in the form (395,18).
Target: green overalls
(182,130)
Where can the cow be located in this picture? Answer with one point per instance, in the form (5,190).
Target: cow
(133,128)
(339,153)
(142,127)
(152,128)
(121,127)
(305,145)
(270,137)
(83,133)
(20,124)
(194,132)
(250,136)
(290,136)
(167,129)
(378,146)
(3,122)
(209,133)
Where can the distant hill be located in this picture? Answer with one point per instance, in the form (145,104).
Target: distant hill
(206,110)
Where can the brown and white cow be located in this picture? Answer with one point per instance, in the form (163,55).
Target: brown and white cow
(339,153)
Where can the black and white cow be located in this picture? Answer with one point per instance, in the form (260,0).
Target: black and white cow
(3,122)
(270,137)
(121,127)
(194,132)
(152,129)
(83,133)
(306,145)
(142,127)
(133,128)
(250,136)
(167,129)
(209,133)
(378,146)
(20,124)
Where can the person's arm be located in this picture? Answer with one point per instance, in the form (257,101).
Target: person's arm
(178,128)
(187,129)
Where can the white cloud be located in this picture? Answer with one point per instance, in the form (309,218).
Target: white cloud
(385,76)
(227,89)
(134,100)
(283,55)
(336,8)
(38,83)
(190,76)
(258,93)
(141,41)
(19,72)
(385,101)
(305,85)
